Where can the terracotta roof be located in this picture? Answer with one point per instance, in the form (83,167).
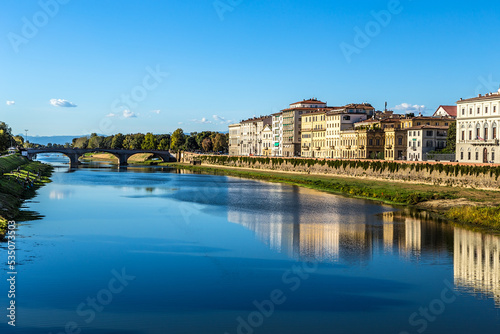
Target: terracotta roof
(310,101)
(256,119)
(420,127)
(450,110)
(490,96)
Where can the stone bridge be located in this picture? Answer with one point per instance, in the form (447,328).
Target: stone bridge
(75,154)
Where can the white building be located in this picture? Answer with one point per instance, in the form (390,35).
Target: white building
(251,135)
(477,129)
(425,138)
(343,119)
(267,140)
(277,127)
(234,139)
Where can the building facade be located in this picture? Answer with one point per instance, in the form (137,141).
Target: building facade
(313,131)
(424,139)
(291,125)
(395,144)
(234,139)
(477,129)
(343,119)
(267,140)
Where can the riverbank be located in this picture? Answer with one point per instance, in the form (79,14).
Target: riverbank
(453,201)
(18,186)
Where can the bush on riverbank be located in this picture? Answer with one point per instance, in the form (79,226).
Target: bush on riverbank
(480,216)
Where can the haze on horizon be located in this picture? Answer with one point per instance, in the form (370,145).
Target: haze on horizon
(76,67)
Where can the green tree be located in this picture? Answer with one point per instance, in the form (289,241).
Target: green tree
(6,139)
(149,142)
(128,142)
(19,141)
(117,142)
(220,143)
(191,144)
(81,142)
(177,140)
(95,141)
(451,140)
(207,145)
(163,145)
(137,140)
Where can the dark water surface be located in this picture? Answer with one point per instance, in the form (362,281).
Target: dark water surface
(155,250)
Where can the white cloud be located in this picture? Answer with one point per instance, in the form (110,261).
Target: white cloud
(180,123)
(129,114)
(62,103)
(202,121)
(10,103)
(111,115)
(221,119)
(156,111)
(408,108)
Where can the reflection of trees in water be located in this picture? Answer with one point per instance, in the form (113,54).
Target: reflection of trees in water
(477,263)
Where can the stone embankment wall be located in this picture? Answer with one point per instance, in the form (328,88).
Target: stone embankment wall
(446,174)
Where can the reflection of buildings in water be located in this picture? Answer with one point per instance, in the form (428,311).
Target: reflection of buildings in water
(310,226)
(477,263)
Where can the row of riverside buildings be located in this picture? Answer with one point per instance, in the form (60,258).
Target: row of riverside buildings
(311,129)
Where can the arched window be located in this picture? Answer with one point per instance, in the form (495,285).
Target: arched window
(478,131)
(485,131)
(494,131)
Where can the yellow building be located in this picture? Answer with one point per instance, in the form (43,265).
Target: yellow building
(313,132)
(424,120)
(395,144)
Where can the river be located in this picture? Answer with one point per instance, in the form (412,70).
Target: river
(159,250)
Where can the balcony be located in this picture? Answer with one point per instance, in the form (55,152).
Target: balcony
(318,148)
(489,142)
(305,148)
(388,147)
(332,147)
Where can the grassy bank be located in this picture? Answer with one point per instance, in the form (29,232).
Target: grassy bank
(12,189)
(396,193)
(476,216)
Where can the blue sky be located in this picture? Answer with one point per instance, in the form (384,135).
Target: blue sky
(201,64)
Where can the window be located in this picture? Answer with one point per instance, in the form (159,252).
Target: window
(494,129)
(469,155)
(461,155)
(486,110)
(463,135)
(378,142)
(494,108)
(477,155)
(470,135)
(493,156)
(400,141)
(371,142)
(478,111)
(485,131)
(430,133)
(463,111)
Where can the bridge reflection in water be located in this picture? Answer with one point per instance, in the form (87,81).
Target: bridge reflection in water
(75,154)
(328,236)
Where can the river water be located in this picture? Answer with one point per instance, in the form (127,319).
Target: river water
(158,250)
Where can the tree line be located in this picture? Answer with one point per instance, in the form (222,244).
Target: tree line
(206,141)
